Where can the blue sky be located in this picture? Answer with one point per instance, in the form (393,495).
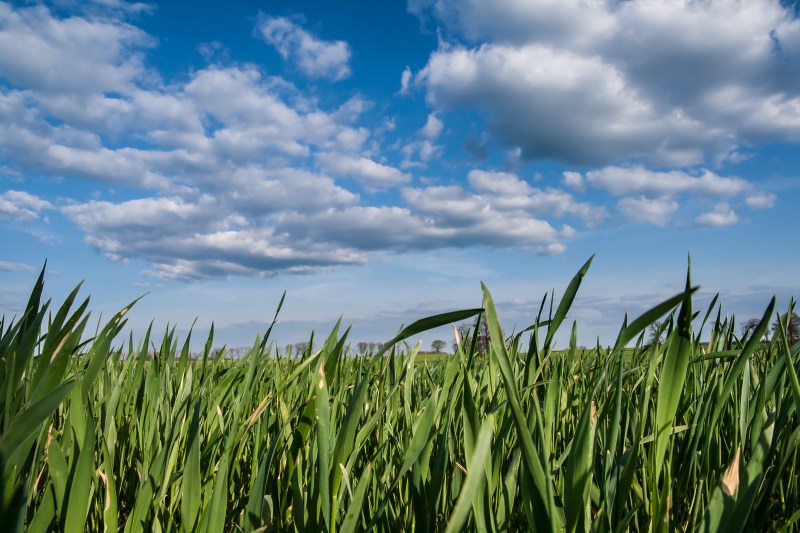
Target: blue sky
(377,160)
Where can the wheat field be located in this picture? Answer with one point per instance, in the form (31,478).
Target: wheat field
(697,432)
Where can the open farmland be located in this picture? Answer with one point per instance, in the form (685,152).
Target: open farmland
(679,434)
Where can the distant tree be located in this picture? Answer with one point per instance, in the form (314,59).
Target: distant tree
(747,327)
(437,345)
(463,330)
(363,347)
(375,347)
(300,348)
(655,336)
(792,328)
(483,340)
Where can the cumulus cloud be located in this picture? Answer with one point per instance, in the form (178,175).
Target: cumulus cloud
(103,164)
(563,21)
(574,180)
(506,190)
(187,240)
(77,54)
(657,211)
(21,206)
(367,171)
(652,193)
(603,82)
(761,201)
(314,57)
(401,229)
(243,173)
(255,191)
(637,179)
(432,128)
(419,153)
(283,223)
(722,215)
(498,198)
(220,116)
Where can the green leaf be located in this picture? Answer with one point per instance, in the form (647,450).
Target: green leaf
(426,324)
(350,521)
(673,376)
(80,488)
(541,497)
(566,301)
(323,444)
(578,479)
(475,478)
(648,317)
(28,422)
(191,485)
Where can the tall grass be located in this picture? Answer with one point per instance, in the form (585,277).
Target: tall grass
(680,434)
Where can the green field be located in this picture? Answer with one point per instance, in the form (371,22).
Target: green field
(102,433)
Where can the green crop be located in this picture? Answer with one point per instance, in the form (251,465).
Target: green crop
(679,434)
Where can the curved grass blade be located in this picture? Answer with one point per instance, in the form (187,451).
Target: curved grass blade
(542,500)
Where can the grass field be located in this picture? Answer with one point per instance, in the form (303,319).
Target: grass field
(103,434)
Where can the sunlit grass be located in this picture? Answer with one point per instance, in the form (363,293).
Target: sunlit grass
(676,434)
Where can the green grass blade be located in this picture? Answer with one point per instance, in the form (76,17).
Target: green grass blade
(350,522)
(475,478)
(566,302)
(673,376)
(425,324)
(577,505)
(28,422)
(191,484)
(542,500)
(80,489)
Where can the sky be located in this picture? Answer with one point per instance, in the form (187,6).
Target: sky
(378,160)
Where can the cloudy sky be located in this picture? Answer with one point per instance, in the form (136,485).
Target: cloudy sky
(377,160)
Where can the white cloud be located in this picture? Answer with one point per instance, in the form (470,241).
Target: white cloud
(111,166)
(722,215)
(314,57)
(11,266)
(75,54)
(221,116)
(195,240)
(554,248)
(238,96)
(499,198)
(453,205)
(401,229)
(405,80)
(223,157)
(657,211)
(604,82)
(574,180)
(561,21)
(508,191)
(761,201)
(21,206)
(499,183)
(419,153)
(366,170)
(574,108)
(432,128)
(637,179)
(256,191)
